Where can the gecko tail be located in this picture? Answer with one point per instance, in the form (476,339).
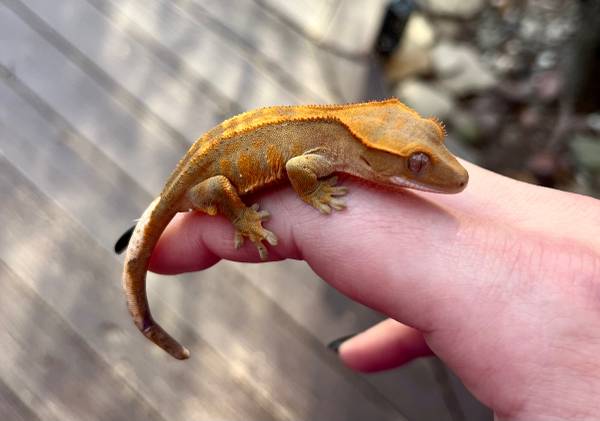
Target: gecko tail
(143,239)
(123,241)
(160,337)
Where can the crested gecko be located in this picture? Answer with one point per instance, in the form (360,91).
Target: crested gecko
(384,142)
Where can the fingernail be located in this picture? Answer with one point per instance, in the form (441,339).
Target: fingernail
(123,240)
(335,345)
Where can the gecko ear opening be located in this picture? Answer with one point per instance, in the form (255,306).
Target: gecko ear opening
(366,161)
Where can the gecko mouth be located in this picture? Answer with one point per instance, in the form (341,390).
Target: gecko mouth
(412,184)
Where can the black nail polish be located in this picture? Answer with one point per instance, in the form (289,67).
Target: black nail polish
(123,241)
(335,345)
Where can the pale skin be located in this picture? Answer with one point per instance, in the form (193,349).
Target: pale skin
(502,282)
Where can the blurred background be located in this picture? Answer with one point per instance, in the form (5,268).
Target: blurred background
(516,82)
(99,99)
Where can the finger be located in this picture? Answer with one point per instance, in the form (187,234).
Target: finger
(362,251)
(507,204)
(398,252)
(384,346)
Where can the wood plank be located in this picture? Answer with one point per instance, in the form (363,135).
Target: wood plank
(269,36)
(57,258)
(348,27)
(52,177)
(268,350)
(144,149)
(12,407)
(263,40)
(354,26)
(183,101)
(202,51)
(41,144)
(311,16)
(51,366)
(64,165)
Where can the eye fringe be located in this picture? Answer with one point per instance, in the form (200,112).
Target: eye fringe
(440,125)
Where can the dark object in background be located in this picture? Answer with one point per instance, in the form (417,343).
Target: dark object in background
(582,60)
(580,67)
(394,22)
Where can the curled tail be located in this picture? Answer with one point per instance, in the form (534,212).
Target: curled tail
(142,239)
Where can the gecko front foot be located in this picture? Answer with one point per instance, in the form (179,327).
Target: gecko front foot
(326,196)
(249,224)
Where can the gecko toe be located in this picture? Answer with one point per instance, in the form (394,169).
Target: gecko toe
(339,191)
(238,240)
(270,237)
(337,204)
(264,215)
(323,208)
(262,251)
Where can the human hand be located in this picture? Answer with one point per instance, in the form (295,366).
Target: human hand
(501,281)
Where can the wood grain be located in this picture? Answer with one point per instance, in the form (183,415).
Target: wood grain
(51,364)
(57,258)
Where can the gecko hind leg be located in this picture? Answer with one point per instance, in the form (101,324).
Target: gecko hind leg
(216,195)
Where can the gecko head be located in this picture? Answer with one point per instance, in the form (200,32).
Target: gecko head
(404,149)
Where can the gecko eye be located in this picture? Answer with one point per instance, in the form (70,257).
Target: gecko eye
(417,162)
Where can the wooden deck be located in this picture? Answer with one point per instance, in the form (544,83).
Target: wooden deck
(98,101)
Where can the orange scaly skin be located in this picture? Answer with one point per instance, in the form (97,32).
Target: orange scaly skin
(384,142)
